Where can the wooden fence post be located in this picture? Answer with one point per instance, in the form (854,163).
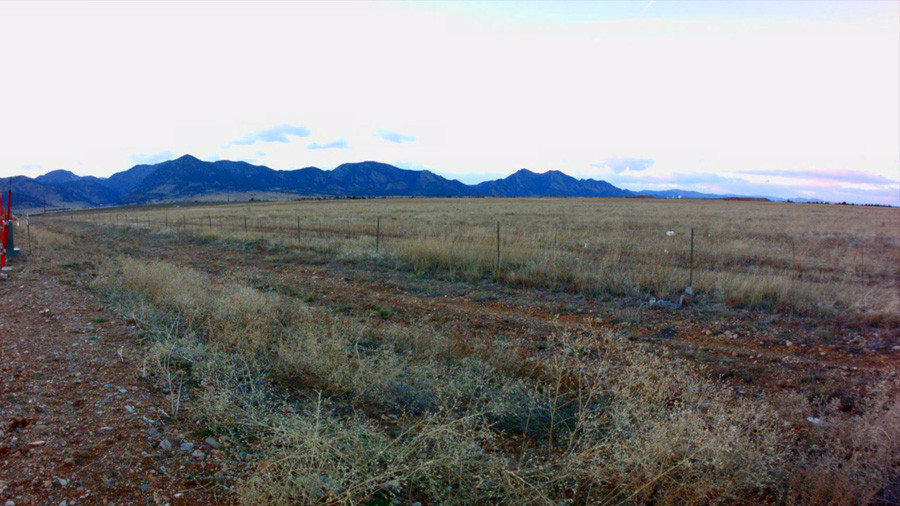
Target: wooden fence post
(498,248)
(377,233)
(691,275)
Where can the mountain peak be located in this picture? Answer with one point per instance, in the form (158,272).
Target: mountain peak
(368,164)
(186,158)
(58,177)
(553,183)
(187,177)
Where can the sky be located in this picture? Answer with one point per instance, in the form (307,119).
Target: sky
(786,99)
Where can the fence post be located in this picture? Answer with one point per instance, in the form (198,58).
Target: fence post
(209,216)
(691,275)
(245,224)
(498,248)
(377,233)
(298,228)
(167,221)
(28,232)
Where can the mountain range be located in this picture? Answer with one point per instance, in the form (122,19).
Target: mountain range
(188,178)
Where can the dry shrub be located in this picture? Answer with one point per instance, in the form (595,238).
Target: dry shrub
(234,393)
(345,358)
(597,420)
(247,319)
(426,255)
(850,458)
(779,293)
(303,346)
(691,455)
(648,429)
(45,239)
(185,293)
(319,458)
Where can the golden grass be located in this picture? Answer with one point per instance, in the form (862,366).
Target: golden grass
(601,421)
(591,419)
(813,259)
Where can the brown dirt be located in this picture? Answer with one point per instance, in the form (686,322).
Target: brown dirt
(78,423)
(756,352)
(62,368)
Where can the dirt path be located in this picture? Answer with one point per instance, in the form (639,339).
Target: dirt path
(78,423)
(754,352)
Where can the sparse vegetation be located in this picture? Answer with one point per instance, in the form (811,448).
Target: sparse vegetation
(366,407)
(818,260)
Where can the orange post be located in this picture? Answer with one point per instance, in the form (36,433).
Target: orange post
(3,226)
(3,233)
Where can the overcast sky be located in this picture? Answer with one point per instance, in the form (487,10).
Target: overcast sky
(790,99)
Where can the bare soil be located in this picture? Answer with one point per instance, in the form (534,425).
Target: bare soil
(78,423)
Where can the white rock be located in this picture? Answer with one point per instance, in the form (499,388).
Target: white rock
(813,420)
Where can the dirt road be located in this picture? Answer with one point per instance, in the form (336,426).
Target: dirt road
(78,423)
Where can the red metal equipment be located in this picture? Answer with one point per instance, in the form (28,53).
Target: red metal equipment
(5,223)
(4,229)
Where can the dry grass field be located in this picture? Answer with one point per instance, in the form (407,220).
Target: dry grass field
(424,371)
(812,259)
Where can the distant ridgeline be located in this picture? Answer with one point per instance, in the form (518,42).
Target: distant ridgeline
(189,178)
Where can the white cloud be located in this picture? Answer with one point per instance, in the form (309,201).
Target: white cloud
(622,164)
(338,144)
(710,87)
(395,137)
(280,133)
